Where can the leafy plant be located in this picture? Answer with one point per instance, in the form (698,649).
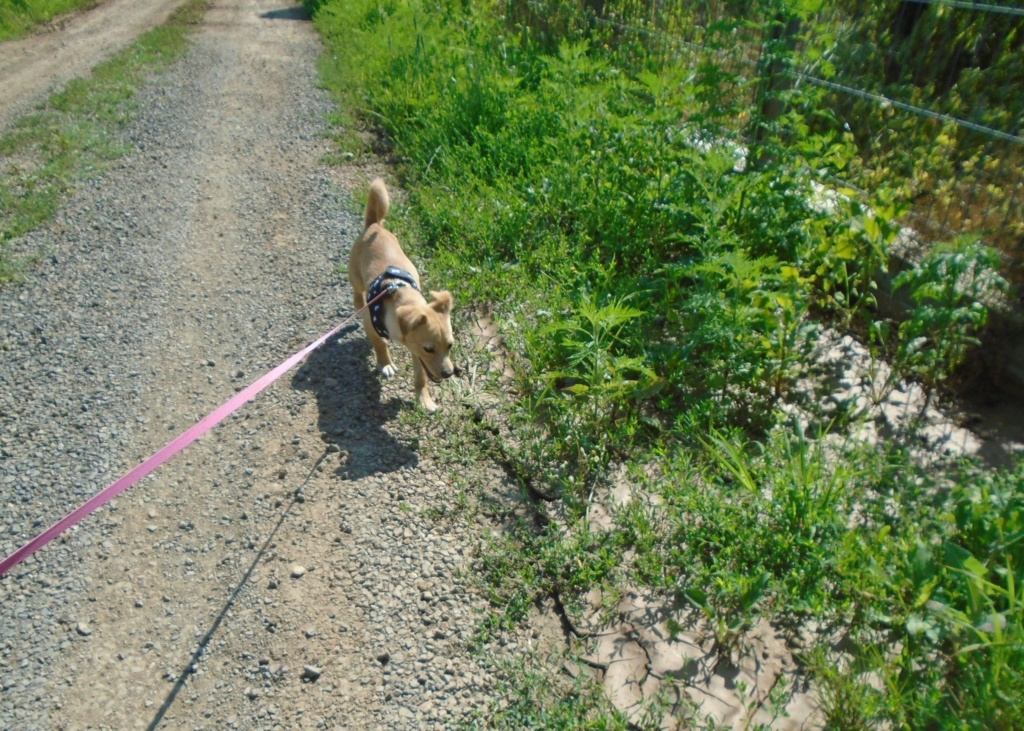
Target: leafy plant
(853,251)
(985,604)
(848,701)
(593,384)
(746,332)
(950,288)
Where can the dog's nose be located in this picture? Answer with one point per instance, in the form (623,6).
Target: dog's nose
(447,371)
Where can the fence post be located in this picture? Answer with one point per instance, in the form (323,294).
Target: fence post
(775,78)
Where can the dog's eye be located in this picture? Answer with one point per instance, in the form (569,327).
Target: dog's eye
(428,348)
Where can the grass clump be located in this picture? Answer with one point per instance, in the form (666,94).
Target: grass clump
(664,286)
(20,17)
(76,133)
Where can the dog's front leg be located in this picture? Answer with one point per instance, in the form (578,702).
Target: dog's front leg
(419,382)
(380,348)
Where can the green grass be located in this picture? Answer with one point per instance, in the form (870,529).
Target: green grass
(76,133)
(19,17)
(663,304)
(531,699)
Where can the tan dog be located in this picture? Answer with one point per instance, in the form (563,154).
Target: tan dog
(376,263)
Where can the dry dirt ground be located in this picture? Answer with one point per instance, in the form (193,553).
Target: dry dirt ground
(289,570)
(31,68)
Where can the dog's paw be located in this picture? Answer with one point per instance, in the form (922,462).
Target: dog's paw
(388,370)
(427,404)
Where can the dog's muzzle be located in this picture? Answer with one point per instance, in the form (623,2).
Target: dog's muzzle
(436,379)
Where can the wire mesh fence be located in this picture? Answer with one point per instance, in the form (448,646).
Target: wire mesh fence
(934,91)
(931,92)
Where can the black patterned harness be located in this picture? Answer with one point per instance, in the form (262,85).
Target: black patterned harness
(393,278)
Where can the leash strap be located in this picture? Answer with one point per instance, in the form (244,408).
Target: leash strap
(184,439)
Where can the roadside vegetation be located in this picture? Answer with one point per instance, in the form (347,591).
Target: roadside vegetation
(663,253)
(20,17)
(72,137)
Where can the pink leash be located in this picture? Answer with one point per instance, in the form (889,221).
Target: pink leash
(179,443)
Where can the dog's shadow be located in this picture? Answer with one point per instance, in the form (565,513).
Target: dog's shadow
(352,415)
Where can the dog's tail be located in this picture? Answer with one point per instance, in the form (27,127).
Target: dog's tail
(378,204)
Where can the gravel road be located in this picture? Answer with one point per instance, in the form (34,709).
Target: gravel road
(280,573)
(32,68)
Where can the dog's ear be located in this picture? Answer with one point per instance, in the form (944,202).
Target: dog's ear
(442,302)
(410,317)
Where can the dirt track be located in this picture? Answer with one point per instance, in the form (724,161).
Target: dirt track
(286,571)
(32,68)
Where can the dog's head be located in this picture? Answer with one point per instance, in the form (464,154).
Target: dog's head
(427,333)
